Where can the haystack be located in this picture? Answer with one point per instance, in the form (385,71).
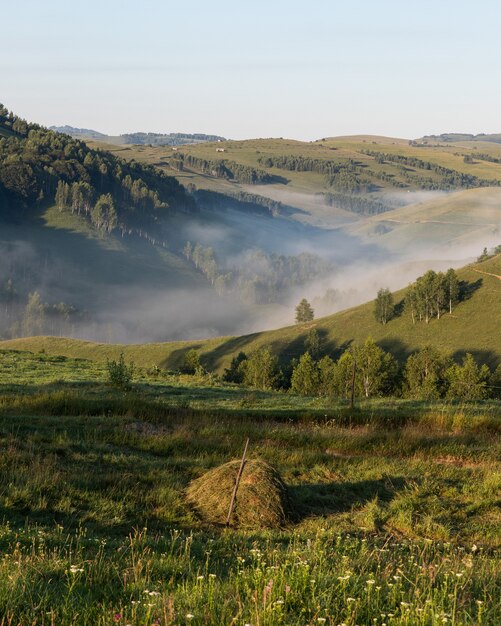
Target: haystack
(261,502)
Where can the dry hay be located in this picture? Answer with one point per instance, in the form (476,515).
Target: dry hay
(262,500)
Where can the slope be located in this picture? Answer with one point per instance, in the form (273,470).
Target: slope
(473,327)
(435,226)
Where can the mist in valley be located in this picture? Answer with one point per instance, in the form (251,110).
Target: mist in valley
(264,266)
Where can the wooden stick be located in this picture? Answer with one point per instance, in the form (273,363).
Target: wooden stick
(237,482)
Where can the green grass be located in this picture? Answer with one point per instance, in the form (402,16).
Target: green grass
(470,216)
(473,327)
(396,505)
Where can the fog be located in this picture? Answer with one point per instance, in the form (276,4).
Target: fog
(146,307)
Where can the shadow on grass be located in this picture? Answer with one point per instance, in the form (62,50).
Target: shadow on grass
(339,497)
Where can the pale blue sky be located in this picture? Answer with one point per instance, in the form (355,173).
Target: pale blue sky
(255,68)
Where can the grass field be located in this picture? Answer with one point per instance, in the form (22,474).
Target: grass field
(473,327)
(395,518)
(470,217)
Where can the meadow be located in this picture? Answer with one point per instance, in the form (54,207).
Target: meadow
(395,504)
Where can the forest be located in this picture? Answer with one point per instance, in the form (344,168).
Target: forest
(39,166)
(256,277)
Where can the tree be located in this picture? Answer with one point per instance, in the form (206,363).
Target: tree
(34,315)
(384,308)
(305,376)
(261,370)
(191,362)
(326,376)
(234,373)
(187,250)
(304,312)
(119,373)
(62,197)
(451,288)
(103,214)
(425,292)
(468,381)
(313,343)
(439,293)
(342,375)
(375,370)
(411,302)
(424,374)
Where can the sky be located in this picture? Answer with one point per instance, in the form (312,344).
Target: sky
(254,68)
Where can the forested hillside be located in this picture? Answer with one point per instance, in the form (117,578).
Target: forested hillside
(39,166)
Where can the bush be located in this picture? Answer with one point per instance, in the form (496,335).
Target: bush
(119,373)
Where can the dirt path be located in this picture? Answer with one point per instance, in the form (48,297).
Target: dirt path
(488,274)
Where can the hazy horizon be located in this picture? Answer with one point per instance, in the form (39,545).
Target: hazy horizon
(254,69)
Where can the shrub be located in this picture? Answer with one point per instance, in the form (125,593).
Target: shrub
(119,373)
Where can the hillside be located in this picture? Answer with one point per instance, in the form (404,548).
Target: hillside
(333,182)
(437,226)
(473,327)
(138,138)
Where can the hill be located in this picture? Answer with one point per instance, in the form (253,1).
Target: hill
(437,226)
(462,137)
(78,133)
(331,182)
(138,138)
(473,327)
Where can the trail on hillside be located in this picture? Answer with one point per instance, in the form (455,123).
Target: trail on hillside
(488,274)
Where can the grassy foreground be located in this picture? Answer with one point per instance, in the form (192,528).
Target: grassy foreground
(396,506)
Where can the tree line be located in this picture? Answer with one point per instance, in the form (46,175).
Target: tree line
(257,277)
(26,316)
(241,201)
(356,204)
(449,178)
(345,176)
(366,371)
(223,168)
(429,296)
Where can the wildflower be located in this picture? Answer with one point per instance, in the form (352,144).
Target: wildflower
(200,577)
(321,620)
(351,599)
(117,617)
(287,589)
(459,574)
(212,576)
(189,616)
(474,548)
(154,593)
(404,604)
(370,581)
(75,570)
(343,577)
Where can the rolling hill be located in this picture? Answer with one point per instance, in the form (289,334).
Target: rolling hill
(139,138)
(473,327)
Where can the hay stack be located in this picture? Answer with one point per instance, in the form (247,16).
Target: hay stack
(261,502)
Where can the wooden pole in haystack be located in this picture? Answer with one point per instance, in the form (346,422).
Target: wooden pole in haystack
(237,482)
